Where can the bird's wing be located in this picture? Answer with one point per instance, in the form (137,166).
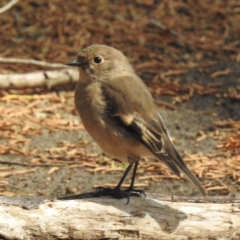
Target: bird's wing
(140,115)
(153,137)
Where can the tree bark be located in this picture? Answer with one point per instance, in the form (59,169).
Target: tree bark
(154,217)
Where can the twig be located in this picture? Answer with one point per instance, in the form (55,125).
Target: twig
(163,27)
(9,5)
(165,104)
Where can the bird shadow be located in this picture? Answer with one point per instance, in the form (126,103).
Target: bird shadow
(139,209)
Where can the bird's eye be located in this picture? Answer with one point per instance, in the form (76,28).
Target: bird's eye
(97,60)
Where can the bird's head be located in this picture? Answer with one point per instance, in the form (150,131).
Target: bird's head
(100,61)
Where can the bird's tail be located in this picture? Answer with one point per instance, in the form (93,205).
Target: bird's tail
(175,162)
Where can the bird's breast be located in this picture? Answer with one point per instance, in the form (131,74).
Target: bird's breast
(91,106)
(89,103)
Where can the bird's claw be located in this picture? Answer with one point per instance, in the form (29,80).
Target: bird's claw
(135,191)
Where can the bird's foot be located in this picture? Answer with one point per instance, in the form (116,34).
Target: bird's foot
(118,193)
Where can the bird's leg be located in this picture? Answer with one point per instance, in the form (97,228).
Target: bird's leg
(131,187)
(124,176)
(116,192)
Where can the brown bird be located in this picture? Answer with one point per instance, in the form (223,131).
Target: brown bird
(119,113)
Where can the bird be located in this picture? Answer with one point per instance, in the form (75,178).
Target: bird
(118,111)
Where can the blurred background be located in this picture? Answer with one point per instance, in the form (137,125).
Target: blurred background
(188,54)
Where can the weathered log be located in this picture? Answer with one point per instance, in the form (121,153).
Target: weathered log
(39,79)
(154,217)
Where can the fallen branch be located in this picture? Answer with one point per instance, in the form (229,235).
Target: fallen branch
(44,78)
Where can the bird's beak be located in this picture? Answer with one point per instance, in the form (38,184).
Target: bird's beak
(74,63)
